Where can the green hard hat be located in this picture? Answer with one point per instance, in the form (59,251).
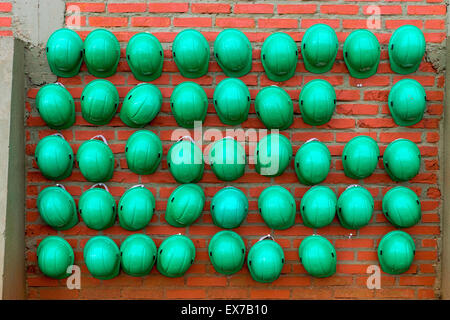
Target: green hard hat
(145,56)
(138,255)
(102,257)
(143,152)
(265,260)
(362,53)
(54,157)
(355,207)
(407,102)
(406,49)
(227,252)
(277,207)
(396,252)
(279,56)
(317,102)
(185,162)
(141,105)
(318,207)
(56,106)
(227,159)
(65,53)
(176,254)
(233,52)
(101,53)
(229,207)
(191,53)
(273,155)
(401,206)
(57,208)
(97,208)
(402,159)
(185,205)
(319,48)
(318,256)
(232,101)
(136,208)
(360,157)
(55,255)
(312,162)
(96,160)
(188,103)
(274,108)
(99,102)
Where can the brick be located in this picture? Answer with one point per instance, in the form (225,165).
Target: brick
(108,22)
(427,10)
(343,9)
(127,7)
(334,23)
(5,7)
(192,22)
(87,6)
(174,7)
(296,8)
(384,10)
(253,8)
(235,22)
(5,21)
(185,293)
(150,21)
(278,23)
(210,8)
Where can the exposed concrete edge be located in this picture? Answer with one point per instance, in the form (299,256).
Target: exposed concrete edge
(12,170)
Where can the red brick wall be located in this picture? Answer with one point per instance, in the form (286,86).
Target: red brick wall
(361,110)
(5,19)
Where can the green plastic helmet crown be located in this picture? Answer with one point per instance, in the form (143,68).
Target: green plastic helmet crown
(136,208)
(279,56)
(317,102)
(277,207)
(96,160)
(274,108)
(143,152)
(176,254)
(227,252)
(360,157)
(145,56)
(312,162)
(407,102)
(138,255)
(101,53)
(102,257)
(185,161)
(57,208)
(54,157)
(406,49)
(232,101)
(233,52)
(273,155)
(65,53)
(185,205)
(55,255)
(401,206)
(56,106)
(99,102)
(355,207)
(97,208)
(319,48)
(229,207)
(362,53)
(141,105)
(396,252)
(227,159)
(191,53)
(318,256)
(318,207)
(402,159)
(265,260)
(188,103)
